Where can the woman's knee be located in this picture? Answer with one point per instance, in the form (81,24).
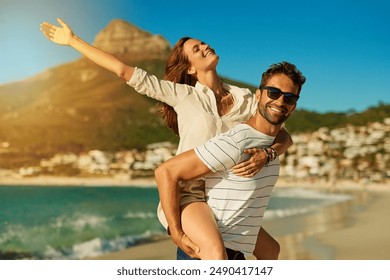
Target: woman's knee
(213,252)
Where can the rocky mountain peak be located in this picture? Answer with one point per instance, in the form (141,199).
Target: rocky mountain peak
(125,39)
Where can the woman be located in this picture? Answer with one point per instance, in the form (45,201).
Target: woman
(205,107)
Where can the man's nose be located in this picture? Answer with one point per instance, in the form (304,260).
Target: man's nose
(281,99)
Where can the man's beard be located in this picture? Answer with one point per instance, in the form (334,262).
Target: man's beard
(264,110)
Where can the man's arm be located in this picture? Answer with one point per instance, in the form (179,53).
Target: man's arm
(183,167)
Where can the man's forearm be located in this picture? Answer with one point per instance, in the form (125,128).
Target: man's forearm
(282,142)
(169,198)
(183,167)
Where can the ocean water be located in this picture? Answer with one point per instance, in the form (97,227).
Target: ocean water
(53,222)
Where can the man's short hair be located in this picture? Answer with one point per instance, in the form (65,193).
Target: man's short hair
(286,68)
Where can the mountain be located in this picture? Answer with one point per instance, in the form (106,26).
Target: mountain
(126,40)
(79,106)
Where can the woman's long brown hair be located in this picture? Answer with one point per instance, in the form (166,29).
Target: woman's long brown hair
(176,71)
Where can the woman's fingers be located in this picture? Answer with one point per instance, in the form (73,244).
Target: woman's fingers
(47,29)
(62,23)
(249,167)
(245,170)
(250,151)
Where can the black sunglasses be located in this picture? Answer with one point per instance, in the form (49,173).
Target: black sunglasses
(274,93)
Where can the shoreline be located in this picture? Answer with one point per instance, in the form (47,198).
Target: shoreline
(120,181)
(77,181)
(362,235)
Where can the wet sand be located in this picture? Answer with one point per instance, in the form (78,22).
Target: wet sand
(353,230)
(368,236)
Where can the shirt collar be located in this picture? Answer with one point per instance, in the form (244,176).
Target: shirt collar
(236,91)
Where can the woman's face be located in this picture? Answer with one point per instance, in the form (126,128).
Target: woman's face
(200,56)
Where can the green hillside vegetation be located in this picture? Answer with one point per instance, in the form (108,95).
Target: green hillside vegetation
(308,121)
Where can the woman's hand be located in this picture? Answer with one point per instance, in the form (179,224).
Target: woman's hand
(251,166)
(59,35)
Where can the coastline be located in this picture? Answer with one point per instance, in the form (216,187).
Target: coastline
(364,235)
(76,181)
(117,181)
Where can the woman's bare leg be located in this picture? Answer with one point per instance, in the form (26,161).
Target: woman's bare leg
(267,248)
(198,223)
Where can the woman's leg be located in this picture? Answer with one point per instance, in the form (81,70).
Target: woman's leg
(198,222)
(267,248)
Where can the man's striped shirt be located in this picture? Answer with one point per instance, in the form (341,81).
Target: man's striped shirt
(238,203)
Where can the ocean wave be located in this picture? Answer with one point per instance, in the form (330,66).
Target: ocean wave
(310,194)
(301,201)
(79,221)
(140,215)
(288,212)
(76,236)
(78,231)
(87,249)
(99,246)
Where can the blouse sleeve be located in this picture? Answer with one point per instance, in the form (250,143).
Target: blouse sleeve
(165,91)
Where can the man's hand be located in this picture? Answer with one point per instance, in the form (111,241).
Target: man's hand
(185,243)
(59,35)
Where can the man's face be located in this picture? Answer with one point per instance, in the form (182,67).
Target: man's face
(276,111)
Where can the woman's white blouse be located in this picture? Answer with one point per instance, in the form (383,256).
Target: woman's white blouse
(198,118)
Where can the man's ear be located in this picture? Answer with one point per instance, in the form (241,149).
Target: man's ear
(258,94)
(295,106)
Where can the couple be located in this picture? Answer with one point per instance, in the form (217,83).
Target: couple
(198,106)
(237,203)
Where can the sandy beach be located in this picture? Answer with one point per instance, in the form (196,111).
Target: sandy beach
(368,237)
(364,237)
(358,230)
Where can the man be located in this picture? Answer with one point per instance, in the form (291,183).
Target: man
(237,203)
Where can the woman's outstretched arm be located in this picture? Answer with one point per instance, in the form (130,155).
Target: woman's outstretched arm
(63,35)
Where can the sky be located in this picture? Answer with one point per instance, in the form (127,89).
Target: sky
(342,47)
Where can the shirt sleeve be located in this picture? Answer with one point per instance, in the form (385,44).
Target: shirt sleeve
(165,91)
(220,153)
